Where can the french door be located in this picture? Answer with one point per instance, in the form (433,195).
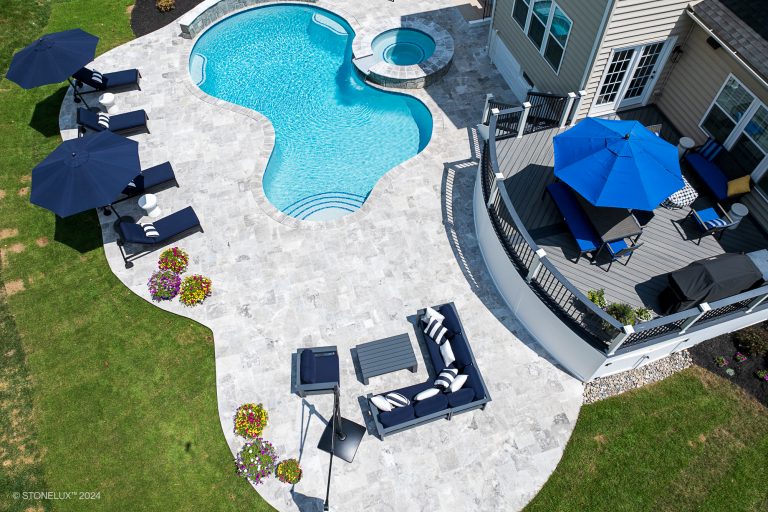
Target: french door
(630,76)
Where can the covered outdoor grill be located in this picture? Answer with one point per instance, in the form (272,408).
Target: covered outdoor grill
(708,280)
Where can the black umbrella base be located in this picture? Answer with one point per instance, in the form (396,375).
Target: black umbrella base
(345,449)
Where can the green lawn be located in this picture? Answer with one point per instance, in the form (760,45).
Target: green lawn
(691,442)
(99,391)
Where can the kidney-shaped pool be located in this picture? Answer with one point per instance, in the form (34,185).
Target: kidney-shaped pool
(335,136)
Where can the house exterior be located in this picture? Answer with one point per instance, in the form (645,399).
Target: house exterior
(623,54)
(704,65)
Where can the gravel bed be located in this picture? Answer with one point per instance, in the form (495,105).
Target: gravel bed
(605,387)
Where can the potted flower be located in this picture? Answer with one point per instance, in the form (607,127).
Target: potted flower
(250,420)
(739,357)
(762,374)
(256,461)
(721,361)
(289,471)
(164,285)
(195,289)
(174,259)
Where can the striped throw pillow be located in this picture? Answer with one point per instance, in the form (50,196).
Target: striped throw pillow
(446,377)
(150,231)
(97,77)
(397,400)
(104,120)
(710,149)
(437,332)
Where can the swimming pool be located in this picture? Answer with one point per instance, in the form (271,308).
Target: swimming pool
(335,136)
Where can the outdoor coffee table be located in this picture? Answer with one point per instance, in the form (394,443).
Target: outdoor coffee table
(385,356)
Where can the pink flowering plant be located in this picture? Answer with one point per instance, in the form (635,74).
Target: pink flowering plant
(739,357)
(289,471)
(174,259)
(721,361)
(164,285)
(256,461)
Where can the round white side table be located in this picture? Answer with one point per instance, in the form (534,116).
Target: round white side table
(107,100)
(738,211)
(685,144)
(148,202)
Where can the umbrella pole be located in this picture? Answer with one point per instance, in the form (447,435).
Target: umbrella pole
(78,96)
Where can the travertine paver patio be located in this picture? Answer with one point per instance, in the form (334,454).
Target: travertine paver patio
(280,285)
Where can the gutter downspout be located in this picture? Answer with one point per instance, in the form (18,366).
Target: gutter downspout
(725,47)
(490,26)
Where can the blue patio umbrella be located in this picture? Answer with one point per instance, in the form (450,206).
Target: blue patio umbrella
(617,163)
(85,173)
(53,58)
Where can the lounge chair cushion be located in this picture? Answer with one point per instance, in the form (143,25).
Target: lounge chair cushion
(397,416)
(738,186)
(307,367)
(461,397)
(712,176)
(715,223)
(710,149)
(152,177)
(473,382)
(103,81)
(168,227)
(431,405)
(115,123)
(451,320)
(326,367)
(578,224)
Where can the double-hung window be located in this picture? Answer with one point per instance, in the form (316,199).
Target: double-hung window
(546,25)
(739,121)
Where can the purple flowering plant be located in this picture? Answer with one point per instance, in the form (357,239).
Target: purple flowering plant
(256,461)
(164,285)
(762,374)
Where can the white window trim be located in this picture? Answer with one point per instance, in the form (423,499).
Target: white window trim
(547,27)
(739,126)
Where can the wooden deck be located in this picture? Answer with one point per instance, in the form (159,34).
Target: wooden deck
(669,240)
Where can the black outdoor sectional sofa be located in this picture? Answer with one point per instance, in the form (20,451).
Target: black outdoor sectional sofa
(473,395)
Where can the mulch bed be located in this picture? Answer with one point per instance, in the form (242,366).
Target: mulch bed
(145,17)
(704,355)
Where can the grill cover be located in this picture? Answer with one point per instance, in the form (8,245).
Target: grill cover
(709,280)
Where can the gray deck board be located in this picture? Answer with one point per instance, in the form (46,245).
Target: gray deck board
(669,240)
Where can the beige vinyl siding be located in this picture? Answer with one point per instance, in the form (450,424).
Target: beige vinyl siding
(696,79)
(693,83)
(586,16)
(635,22)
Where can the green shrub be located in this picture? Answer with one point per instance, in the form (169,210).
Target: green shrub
(643,314)
(753,340)
(165,5)
(624,313)
(597,297)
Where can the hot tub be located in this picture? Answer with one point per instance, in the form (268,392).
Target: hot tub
(403,46)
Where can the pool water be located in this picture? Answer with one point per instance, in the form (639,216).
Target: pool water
(335,136)
(403,46)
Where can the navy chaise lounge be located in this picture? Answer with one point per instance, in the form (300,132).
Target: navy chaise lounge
(168,228)
(119,123)
(106,81)
(161,174)
(716,167)
(473,395)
